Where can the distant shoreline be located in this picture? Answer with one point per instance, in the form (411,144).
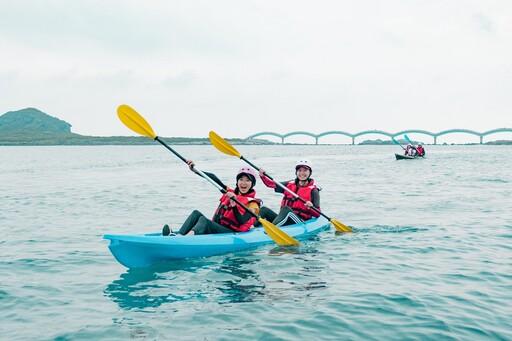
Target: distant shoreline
(70,139)
(32,127)
(28,138)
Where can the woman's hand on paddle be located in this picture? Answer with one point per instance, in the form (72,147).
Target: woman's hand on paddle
(308,204)
(231,195)
(191,165)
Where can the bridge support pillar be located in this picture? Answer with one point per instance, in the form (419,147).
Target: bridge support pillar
(435,140)
(353,140)
(481,139)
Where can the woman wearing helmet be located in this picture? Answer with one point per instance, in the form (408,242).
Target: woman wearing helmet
(229,216)
(293,210)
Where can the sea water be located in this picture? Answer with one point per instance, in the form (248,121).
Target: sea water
(431,258)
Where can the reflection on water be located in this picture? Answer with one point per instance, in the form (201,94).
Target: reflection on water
(225,279)
(245,284)
(233,280)
(283,250)
(339,233)
(304,247)
(147,287)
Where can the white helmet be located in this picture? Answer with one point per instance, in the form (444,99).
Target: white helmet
(304,163)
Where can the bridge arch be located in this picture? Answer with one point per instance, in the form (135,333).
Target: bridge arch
(371,132)
(444,132)
(306,133)
(451,131)
(495,131)
(416,131)
(336,132)
(267,133)
(498,130)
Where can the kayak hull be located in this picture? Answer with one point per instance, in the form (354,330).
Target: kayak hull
(142,250)
(406,157)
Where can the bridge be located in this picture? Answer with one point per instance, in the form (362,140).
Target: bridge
(481,135)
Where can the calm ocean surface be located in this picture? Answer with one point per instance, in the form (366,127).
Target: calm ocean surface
(431,258)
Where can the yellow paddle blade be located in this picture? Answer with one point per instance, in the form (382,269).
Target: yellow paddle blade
(223,145)
(340,227)
(134,121)
(278,235)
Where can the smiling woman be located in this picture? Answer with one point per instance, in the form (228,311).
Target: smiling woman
(237,210)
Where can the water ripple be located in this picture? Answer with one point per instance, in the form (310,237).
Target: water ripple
(431,257)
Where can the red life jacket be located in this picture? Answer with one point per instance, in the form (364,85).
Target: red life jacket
(225,215)
(298,206)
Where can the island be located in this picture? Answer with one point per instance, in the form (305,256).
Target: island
(32,127)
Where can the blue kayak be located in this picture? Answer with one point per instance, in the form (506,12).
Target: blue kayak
(141,250)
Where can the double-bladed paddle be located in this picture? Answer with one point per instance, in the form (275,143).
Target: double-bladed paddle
(398,143)
(224,146)
(138,124)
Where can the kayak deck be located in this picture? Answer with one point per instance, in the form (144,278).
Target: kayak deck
(141,250)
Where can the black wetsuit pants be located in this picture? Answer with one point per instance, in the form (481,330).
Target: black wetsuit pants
(198,223)
(286,216)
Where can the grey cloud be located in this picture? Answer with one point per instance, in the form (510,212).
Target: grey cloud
(182,80)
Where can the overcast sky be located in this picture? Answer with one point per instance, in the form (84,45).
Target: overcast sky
(242,67)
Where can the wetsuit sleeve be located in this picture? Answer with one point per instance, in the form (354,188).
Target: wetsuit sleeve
(315,200)
(279,189)
(215,179)
(246,220)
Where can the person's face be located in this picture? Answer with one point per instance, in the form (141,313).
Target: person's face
(244,184)
(303,173)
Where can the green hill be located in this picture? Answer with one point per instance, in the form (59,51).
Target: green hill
(32,127)
(31,119)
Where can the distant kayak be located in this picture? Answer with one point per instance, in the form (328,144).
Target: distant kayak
(407,157)
(141,250)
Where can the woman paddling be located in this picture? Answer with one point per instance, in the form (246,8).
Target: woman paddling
(292,209)
(229,216)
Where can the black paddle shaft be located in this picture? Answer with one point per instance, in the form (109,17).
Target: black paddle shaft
(222,190)
(172,150)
